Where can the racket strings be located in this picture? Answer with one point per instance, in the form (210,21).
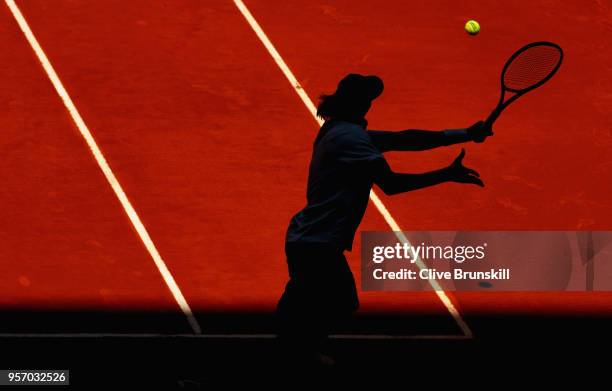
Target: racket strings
(531,67)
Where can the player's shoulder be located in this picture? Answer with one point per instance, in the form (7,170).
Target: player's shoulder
(344,126)
(344,131)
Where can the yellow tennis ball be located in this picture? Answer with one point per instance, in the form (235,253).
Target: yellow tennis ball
(472,27)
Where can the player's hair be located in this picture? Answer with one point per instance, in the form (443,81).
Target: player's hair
(327,107)
(341,107)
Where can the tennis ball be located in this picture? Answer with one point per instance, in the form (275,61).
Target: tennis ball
(472,27)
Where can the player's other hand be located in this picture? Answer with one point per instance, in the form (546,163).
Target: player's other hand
(457,172)
(480,131)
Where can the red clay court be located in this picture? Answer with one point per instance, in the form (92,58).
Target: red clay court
(210,143)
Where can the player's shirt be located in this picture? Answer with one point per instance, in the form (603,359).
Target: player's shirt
(339,184)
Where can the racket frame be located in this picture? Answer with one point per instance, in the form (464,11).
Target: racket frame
(501,105)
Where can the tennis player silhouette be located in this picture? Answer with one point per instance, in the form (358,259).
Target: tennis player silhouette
(347,160)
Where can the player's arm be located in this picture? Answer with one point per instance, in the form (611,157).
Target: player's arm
(421,140)
(395,183)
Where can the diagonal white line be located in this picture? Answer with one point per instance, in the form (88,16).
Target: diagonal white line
(375,199)
(108,173)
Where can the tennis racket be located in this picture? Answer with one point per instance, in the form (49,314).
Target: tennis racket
(527,69)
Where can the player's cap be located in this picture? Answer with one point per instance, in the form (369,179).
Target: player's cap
(360,86)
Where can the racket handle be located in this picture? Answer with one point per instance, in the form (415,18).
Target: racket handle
(493,116)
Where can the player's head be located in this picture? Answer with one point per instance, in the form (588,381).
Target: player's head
(352,98)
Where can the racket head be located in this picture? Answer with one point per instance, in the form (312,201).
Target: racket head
(531,66)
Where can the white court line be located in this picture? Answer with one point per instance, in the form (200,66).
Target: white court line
(108,173)
(377,202)
(231,336)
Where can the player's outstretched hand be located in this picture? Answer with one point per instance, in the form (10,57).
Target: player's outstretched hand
(457,172)
(480,131)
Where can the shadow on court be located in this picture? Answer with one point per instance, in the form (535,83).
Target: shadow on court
(174,359)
